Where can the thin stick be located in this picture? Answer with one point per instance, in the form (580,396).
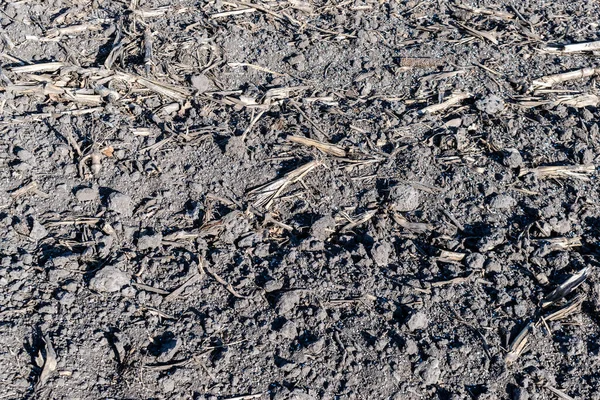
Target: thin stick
(324,147)
(561,171)
(551,80)
(223,282)
(231,13)
(256,67)
(266,193)
(491,36)
(147,50)
(177,292)
(574,47)
(450,101)
(252,123)
(43,67)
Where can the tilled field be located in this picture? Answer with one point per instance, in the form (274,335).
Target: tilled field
(299,199)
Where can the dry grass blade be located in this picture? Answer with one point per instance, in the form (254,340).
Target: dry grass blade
(581,101)
(486,11)
(50,362)
(547,246)
(551,80)
(327,148)
(566,310)
(561,171)
(232,13)
(43,67)
(411,226)
(177,292)
(574,47)
(518,345)
(77,221)
(491,36)
(358,220)
(421,62)
(265,194)
(246,397)
(223,282)
(566,287)
(453,281)
(175,92)
(453,100)
(450,256)
(32,187)
(576,101)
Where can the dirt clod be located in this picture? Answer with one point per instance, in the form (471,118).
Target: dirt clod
(381,253)
(149,241)
(109,279)
(120,203)
(431,372)
(491,104)
(86,194)
(417,321)
(289,330)
(502,202)
(404,197)
(287,302)
(201,83)
(512,158)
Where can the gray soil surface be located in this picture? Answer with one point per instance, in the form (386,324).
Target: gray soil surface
(298,200)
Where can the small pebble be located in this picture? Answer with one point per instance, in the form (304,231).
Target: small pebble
(25,156)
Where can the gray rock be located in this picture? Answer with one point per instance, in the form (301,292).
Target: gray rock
(502,202)
(322,228)
(289,330)
(475,261)
(152,241)
(381,253)
(26,156)
(109,279)
(410,347)
(120,203)
(37,231)
(86,194)
(431,372)
(273,285)
(491,104)
(405,197)
(417,321)
(512,158)
(287,302)
(201,83)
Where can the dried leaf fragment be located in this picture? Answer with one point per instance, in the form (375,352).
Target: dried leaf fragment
(50,362)
(566,287)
